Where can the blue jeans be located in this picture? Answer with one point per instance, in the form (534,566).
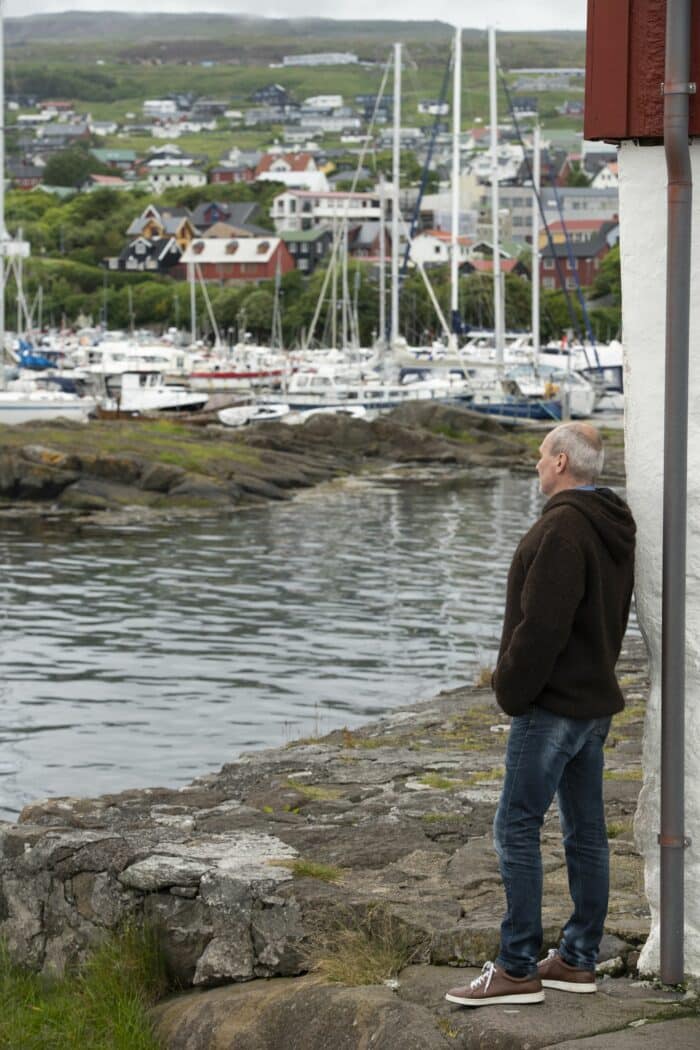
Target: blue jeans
(550,754)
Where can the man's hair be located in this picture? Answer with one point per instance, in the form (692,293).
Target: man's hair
(583,447)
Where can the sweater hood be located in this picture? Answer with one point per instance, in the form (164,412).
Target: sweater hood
(608,514)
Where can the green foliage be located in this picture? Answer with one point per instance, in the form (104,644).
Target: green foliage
(577,176)
(609,280)
(104,1006)
(71,167)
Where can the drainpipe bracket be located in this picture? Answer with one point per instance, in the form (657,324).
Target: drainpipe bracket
(679,88)
(674,841)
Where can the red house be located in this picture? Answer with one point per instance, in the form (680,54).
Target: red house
(587,256)
(233,261)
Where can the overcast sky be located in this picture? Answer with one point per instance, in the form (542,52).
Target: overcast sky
(504,14)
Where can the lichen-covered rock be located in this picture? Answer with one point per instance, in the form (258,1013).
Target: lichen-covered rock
(298,1015)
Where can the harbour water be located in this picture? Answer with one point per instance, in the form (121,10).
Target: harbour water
(143,656)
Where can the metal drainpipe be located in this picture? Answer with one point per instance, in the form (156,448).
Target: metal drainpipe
(672,838)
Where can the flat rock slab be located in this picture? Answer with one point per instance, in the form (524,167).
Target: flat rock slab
(683,1034)
(301,1014)
(306,1014)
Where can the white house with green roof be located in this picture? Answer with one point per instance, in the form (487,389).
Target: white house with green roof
(165,178)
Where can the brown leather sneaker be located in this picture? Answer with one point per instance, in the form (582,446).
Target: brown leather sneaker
(555,973)
(495,986)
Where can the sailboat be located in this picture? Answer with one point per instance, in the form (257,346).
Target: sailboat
(25,400)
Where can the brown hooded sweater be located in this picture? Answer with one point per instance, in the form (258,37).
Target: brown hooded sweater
(567,603)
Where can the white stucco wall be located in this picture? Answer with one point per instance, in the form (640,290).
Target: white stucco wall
(643,244)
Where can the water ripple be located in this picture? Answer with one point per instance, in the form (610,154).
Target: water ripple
(148,656)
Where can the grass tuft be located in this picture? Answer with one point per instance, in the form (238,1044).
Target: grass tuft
(309,869)
(104,1006)
(364,950)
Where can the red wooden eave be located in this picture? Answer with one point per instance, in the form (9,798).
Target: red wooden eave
(625,59)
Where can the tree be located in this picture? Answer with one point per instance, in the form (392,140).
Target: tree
(577,176)
(609,278)
(71,166)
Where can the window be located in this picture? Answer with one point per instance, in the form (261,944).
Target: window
(263,247)
(232,247)
(198,247)
(548,282)
(548,264)
(571,284)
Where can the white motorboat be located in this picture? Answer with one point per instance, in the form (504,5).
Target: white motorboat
(138,392)
(33,405)
(245,367)
(329,387)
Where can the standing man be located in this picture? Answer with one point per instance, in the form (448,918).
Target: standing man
(567,603)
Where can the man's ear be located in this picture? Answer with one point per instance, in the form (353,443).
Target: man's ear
(562,463)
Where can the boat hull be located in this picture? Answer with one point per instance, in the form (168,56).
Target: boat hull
(27,410)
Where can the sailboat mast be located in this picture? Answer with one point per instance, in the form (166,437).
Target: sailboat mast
(536,244)
(456,131)
(382,263)
(193,302)
(395,178)
(498,326)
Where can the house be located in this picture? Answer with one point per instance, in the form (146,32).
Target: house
(607,177)
(154,222)
(308,247)
(160,108)
(23,176)
(525,106)
(433,107)
(513,266)
(165,178)
(305,209)
(58,105)
(322,58)
(580,202)
(119,159)
(278,163)
(328,123)
(61,135)
(240,214)
(257,115)
(270,95)
(579,230)
(153,255)
(170,154)
(104,182)
(238,260)
(102,128)
(434,247)
(322,103)
(364,241)
(587,256)
(224,174)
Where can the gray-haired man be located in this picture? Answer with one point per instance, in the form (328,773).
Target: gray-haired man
(567,603)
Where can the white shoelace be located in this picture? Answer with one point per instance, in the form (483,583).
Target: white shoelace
(552,952)
(485,977)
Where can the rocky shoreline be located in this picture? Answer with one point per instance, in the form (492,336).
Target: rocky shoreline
(110,472)
(285,859)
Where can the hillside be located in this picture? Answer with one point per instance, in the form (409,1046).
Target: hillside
(251,40)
